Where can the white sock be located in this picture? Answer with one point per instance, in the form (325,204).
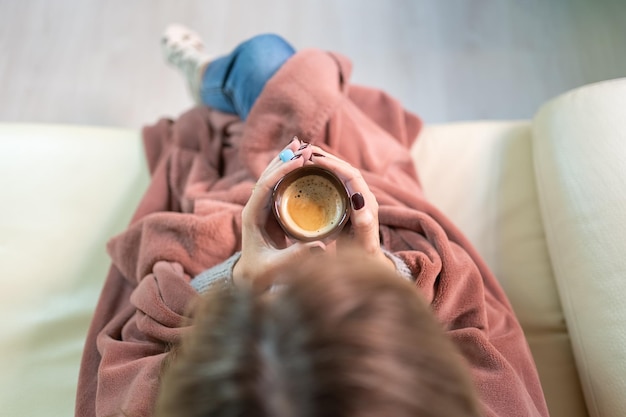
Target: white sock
(184,49)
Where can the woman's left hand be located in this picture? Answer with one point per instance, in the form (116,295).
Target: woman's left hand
(364,234)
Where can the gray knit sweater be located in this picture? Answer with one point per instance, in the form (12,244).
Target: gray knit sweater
(222,274)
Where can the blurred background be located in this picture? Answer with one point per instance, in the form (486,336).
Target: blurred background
(99,62)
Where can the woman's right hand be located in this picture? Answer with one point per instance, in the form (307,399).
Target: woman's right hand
(261,261)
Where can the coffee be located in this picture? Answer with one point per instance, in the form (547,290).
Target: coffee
(310,203)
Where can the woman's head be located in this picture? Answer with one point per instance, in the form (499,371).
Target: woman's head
(347,338)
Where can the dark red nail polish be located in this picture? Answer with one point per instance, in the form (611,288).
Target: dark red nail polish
(358,202)
(306,145)
(319,155)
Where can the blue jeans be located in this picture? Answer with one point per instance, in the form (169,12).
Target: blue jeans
(232,83)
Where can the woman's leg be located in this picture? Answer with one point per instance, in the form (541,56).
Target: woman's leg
(230,83)
(233,83)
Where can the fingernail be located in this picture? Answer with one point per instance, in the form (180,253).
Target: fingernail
(306,145)
(296,156)
(319,155)
(358,202)
(286,155)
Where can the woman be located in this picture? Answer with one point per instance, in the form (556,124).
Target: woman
(232,84)
(205,220)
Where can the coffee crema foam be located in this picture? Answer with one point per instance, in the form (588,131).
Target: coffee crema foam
(311,205)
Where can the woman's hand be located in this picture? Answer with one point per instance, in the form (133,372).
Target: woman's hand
(261,262)
(364,235)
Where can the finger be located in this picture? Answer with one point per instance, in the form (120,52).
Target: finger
(294,150)
(301,250)
(364,213)
(258,207)
(296,255)
(277,265)
(276,161)
(350,176)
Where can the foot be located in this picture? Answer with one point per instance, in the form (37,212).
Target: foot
(184,49)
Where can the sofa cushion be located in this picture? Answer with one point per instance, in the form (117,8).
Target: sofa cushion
(579,146)
(65,192)
(480,175)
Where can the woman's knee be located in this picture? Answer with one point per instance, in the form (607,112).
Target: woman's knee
(265,53)
(266,43)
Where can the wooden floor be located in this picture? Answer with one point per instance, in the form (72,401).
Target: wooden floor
(99,63)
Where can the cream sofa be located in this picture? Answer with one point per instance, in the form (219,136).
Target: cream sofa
(543,200)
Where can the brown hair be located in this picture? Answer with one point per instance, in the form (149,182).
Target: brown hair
(344,338)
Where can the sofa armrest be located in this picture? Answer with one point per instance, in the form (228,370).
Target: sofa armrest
(579,147)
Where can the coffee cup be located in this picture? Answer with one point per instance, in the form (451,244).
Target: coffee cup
(311,203)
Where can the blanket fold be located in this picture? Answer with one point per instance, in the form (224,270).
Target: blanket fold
(203,167)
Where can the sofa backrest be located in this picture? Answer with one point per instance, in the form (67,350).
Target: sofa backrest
(65,191)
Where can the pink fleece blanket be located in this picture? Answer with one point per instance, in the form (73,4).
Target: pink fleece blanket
(203,167)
